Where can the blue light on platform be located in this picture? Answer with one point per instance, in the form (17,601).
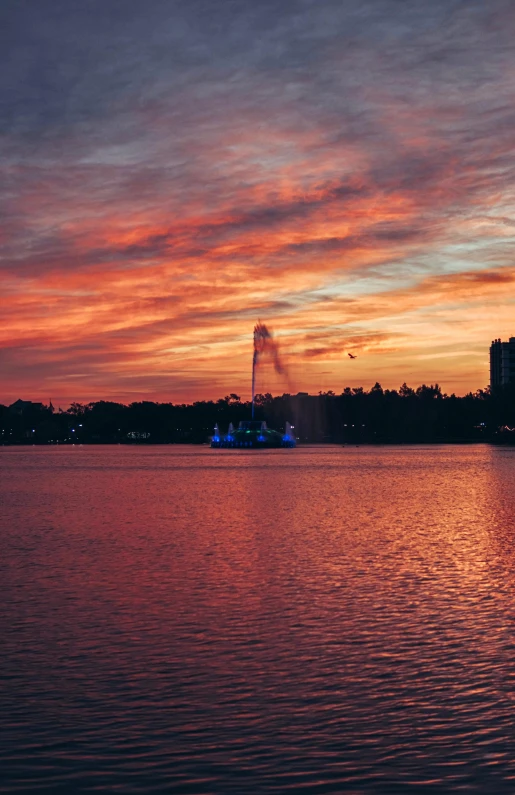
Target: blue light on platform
(251,434)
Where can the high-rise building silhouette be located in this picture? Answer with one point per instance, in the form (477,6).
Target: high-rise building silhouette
(502,363)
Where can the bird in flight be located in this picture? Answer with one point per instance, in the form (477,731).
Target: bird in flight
(351,356)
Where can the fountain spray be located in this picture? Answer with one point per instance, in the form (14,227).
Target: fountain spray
(264,342)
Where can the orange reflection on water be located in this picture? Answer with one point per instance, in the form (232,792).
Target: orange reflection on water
(281,612)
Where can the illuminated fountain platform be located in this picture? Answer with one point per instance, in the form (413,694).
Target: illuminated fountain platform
(253,434)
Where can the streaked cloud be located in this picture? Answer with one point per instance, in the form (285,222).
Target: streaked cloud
(173,171)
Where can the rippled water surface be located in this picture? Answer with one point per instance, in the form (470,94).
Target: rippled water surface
(316,620)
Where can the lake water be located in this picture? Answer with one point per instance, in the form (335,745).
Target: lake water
(318,620)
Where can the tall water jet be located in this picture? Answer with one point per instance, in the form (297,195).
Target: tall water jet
(254,434)
(264,343)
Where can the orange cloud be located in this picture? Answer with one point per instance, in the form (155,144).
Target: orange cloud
(138,261)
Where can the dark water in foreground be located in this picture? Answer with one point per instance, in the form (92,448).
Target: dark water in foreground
(311,620)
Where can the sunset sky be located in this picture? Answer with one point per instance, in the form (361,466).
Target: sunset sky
(173,170)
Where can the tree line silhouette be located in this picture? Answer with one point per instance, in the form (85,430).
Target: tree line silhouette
(356,416)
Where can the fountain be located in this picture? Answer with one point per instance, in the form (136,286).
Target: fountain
(254,433)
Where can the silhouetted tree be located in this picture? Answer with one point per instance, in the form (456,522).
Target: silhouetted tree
(424,414)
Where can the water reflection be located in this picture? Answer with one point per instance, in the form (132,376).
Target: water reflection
(323,620)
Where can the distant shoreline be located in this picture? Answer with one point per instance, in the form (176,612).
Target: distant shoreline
(301,445)
(408,416)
